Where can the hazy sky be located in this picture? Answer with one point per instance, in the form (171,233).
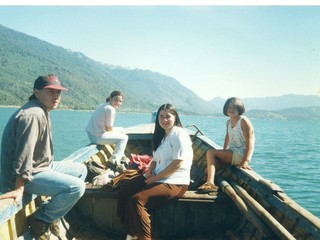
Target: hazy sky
(243,51)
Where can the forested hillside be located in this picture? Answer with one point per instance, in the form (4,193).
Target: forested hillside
(24,58)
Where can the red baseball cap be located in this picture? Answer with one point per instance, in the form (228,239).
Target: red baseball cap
(49,81)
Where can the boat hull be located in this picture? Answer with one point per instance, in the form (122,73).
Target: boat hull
(246,206)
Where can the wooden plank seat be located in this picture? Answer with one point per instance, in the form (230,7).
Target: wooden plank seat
(190,196)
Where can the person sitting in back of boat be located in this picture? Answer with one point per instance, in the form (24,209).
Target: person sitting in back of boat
(167,177)
(100,130)
(238,144)
(27,160)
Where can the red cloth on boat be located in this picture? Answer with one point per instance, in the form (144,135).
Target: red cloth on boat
(140,161)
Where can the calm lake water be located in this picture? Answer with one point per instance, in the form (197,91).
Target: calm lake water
(286,151)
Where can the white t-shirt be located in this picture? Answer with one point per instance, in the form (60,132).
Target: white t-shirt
(177,145)
(102,117)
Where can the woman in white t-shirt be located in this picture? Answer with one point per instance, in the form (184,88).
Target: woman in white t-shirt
(100,128)
(167,177)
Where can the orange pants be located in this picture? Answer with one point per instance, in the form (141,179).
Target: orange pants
(136,198)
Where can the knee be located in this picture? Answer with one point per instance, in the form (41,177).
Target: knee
(79,188)
(125,138)
(78,185)
(210,154)
(82,188)
(138,199)
(83,172)
(79,170)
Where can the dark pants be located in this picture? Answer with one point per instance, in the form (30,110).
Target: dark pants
(133,203)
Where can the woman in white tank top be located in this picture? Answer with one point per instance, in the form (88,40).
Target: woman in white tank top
(238,144)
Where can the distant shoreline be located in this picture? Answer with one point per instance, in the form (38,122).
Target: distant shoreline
(9,106)
(70,109)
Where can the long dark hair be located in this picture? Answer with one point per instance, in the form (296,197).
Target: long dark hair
(114,94)
(159,132)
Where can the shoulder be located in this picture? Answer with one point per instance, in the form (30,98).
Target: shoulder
(109,107)
(30,115)
(179,132)
(245,119)
(245,122)
(105,107)
(228,122)
(32,109)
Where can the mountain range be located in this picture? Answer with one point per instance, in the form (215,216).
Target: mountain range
(274,103)
(23,58)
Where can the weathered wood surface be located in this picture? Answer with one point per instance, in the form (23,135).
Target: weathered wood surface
(13,217)
(295,219)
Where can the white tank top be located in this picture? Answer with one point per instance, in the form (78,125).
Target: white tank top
(236,138)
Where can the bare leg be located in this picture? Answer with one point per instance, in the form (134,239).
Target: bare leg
(211,169)
(216,160)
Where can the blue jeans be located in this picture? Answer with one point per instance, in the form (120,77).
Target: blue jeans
(116,137)
(64,183)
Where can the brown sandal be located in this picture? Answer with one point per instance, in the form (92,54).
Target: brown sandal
(207,187)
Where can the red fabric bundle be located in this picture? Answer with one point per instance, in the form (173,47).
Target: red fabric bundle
(140,162)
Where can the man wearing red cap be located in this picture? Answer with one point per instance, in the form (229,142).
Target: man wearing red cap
(27,164)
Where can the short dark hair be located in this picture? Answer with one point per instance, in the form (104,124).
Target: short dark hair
(236,102)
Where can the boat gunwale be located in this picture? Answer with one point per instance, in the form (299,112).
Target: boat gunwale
(274,196)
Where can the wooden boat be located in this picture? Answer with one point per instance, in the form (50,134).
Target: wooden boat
(246,206)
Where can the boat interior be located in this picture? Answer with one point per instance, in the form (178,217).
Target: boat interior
(246,206)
